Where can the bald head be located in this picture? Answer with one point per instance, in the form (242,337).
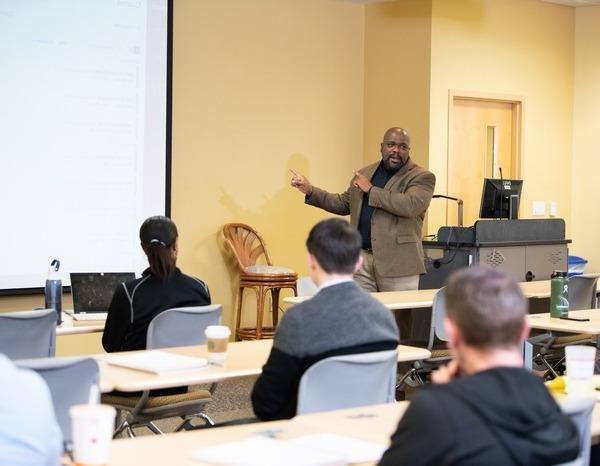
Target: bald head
(395,148)
(398,130)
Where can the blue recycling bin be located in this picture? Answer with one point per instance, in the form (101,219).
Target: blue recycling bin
(576,265)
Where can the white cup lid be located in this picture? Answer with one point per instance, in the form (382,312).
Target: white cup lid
(217,331)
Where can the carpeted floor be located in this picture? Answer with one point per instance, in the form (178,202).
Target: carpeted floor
(231,402)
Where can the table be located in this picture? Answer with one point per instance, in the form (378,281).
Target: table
(419,299)
(371,423)
(244,358)
(553,324)
(71,327)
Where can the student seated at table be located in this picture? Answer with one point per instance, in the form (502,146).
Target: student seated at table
(339,319)
(484,408)
(29,433)
(162,286)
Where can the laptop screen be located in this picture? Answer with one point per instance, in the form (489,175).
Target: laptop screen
(92,292)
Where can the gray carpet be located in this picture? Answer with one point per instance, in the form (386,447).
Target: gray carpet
(231,402)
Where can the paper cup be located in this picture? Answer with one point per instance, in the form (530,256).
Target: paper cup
(92,427)
(217,337)
(580,369)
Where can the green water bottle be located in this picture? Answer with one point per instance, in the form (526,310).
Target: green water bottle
(559,294)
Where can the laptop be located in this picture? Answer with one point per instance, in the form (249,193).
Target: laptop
(92,293)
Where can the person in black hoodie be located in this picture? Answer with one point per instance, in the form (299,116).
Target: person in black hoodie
(483,407)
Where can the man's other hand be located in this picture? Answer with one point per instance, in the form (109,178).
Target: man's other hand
(301,183)
(362,182)
(445,373)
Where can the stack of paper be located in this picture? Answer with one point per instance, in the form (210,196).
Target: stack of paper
(311,450)
(158,362)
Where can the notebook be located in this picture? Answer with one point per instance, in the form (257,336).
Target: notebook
(158,362)
(92,293)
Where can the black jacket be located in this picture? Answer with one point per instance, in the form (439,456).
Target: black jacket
(502,416)
(136,302)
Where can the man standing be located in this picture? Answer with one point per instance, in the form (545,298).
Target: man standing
(386,201)
(340,319)
(484,408)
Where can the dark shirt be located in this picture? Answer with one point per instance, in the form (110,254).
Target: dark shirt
(380,178)
(136,302)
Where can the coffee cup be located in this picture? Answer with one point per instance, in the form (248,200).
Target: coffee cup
(92,428)
(217,337)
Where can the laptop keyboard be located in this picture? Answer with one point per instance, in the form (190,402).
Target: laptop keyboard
(90,316)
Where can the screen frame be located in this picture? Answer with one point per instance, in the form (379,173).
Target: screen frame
(494,189)
(168,147)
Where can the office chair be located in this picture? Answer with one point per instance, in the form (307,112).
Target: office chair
(306,287)
(70,381)
(347,381)
(248,247)
(174,327)
(580,411)
(436,344)
(550,355)
(28,334)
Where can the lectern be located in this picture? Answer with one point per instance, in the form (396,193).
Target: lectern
(525,249)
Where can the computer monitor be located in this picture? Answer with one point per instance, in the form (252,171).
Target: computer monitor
(500,198)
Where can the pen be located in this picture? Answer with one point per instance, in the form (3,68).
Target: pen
(574,318)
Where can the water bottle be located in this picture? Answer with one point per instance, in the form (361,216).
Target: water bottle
(54,290)
(559,294)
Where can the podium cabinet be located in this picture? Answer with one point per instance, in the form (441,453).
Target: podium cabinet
(525,249)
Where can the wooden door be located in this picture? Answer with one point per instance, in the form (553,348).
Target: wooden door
(484,138)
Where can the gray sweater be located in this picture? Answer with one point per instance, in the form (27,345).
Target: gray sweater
(339,319)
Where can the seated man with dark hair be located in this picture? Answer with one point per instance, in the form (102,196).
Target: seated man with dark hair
(484,408)
(339,319)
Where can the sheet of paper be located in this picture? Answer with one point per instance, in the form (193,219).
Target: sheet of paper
(351,449)
(158,362)
(263,451)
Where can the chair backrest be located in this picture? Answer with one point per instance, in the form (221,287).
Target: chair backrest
(579,411)
(182,326)
(28,334)
(70,381)
(306,287)
(348,381)
(582,291)
(247,245)
(437,331)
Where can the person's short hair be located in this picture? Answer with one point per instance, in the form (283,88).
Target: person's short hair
(335,244)
(487,306)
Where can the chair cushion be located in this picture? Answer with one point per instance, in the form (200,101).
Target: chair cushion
(156,401)
(440,353)
(564,340)
(269,269)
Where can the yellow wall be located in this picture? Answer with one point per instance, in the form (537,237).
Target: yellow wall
(586,186)
(264,86)
(261,87)
(397,74)
(513,47)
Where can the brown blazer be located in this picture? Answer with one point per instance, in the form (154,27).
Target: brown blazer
(397,222)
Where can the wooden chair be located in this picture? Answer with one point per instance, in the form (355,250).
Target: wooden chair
(248,247)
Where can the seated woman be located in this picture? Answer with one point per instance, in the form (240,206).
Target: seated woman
(161,287)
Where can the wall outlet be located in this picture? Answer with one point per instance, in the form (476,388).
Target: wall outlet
(553,208)
(539,208)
